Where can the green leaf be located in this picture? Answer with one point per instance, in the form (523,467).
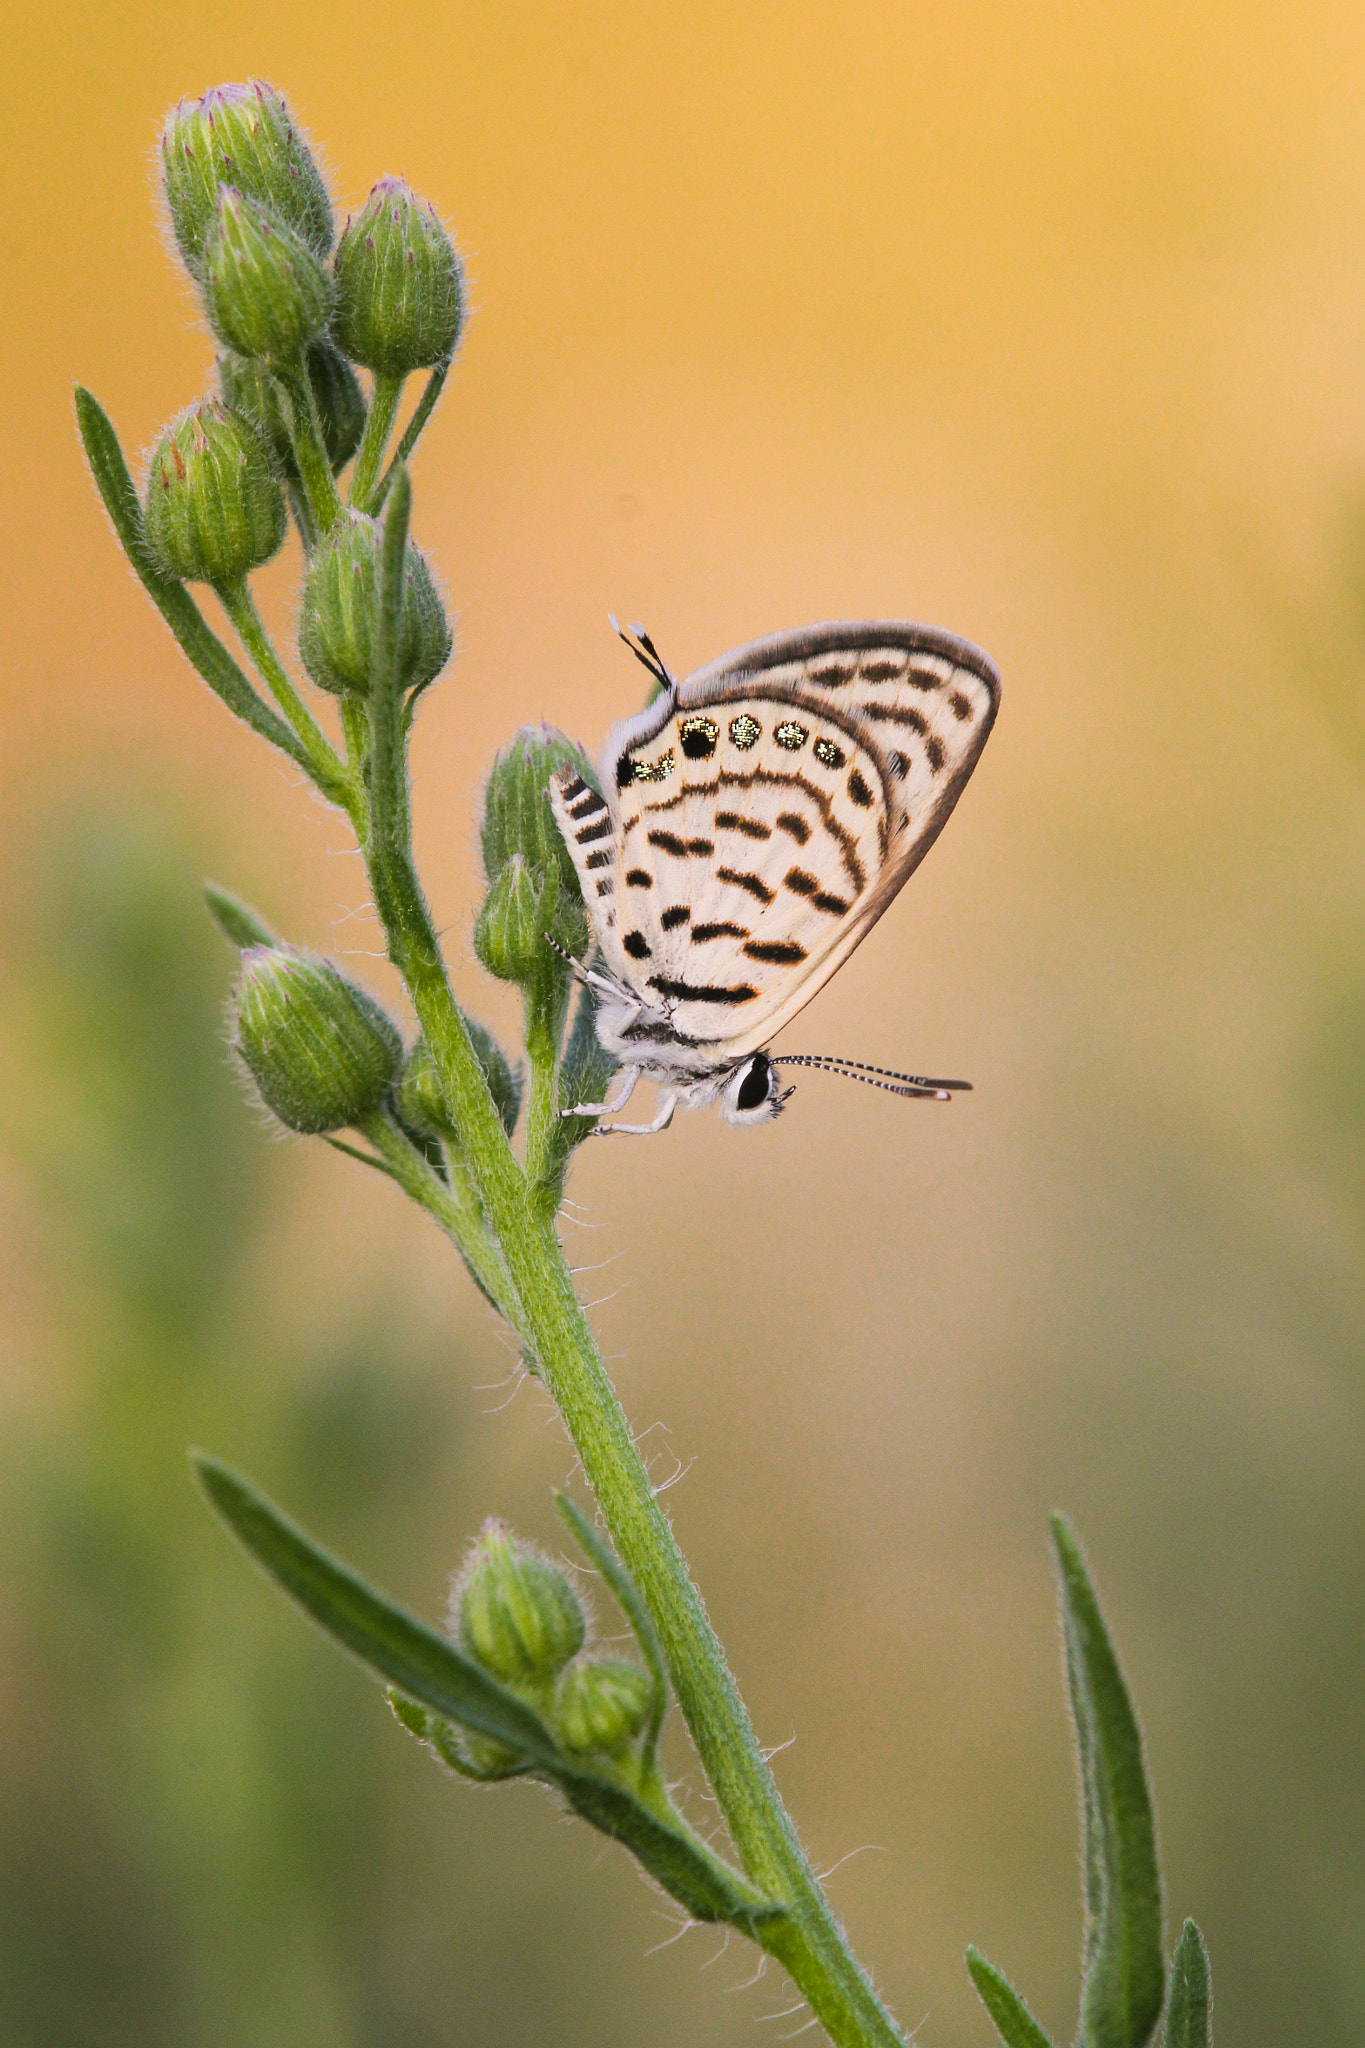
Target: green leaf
(1124,1970)
(1189,2010)
(1014,2022)
(236,920)
(629,1601)
(427,1669)
(423,1665)
(202,646)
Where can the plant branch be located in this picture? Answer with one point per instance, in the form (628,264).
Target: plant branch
(426,405)
(198,642)
(310,451)
(325,765)
(375,439)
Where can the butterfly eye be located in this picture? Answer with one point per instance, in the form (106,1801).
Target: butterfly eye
(755,1082)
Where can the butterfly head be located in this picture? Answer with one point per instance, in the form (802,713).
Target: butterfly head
(753,1094)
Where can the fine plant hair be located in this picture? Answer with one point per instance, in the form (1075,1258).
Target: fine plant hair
(516,1684)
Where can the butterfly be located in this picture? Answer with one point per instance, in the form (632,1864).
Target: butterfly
(752,825)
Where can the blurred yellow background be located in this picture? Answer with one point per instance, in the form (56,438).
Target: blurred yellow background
(1048,325)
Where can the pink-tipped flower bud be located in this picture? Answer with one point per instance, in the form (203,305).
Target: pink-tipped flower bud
(239,135)
(400,290)
(265,292)
(214,510)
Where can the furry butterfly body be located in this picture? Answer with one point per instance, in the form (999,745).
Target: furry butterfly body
(752,825)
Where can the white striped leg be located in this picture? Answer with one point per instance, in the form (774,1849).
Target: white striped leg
(660,1123)
(607,1108)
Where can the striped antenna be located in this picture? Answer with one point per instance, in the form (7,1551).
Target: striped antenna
(643,648)
(922,1085)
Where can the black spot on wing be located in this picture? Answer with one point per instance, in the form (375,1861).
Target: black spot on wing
(795,824)
(639,878)
(755,884)
(752,828)
(933,747)
(669,842)
(637,945)
(676,914)
(884,671)
(601,830)
(780,952)
(835,905)
(858,790)
(601,859)
(962,706)
(701,933)
(691,992)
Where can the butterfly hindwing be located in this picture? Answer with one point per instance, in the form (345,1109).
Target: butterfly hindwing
(757,819)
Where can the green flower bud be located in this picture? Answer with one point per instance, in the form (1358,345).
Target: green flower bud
(249,388)
(515,1611)
(214,509)
(399,286)
(239,135)
(321,1051)
(265,292)
(520,911)
(421,1103)
(341,606)
(516,806)
(601,1704)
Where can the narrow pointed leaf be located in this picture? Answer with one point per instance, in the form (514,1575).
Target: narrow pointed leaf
(1189,2011)
(236,920)
(393,1644)
(1014,2023)
(199,642)
(1124,1968)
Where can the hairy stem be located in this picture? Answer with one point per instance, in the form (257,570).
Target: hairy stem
(378,426)
(310,452)
(325,765)
(455,1206)
(805,1938)
(425,407)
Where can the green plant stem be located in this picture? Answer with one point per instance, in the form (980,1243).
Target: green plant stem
(455,1206)
(425,407)
(310,451)
(325,765)
(806,1939)
(378,426)
(546,1007)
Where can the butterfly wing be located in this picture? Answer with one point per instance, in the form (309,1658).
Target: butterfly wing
(756,821)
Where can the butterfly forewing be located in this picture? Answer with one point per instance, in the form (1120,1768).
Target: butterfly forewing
(757,820)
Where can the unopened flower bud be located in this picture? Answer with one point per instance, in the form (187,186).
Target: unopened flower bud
(214,509)
(320,1050)
(265,292)
(516,806)
(250,389)
(240,135)
(399,286)
(421,1100)
(523,909)
(340,611)
(601,1704)
(515,1611)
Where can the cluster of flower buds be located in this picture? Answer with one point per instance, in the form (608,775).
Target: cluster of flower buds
(517,1615)
(253,223)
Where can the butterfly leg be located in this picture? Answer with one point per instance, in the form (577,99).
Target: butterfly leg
(660,1123)
(607,1108)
